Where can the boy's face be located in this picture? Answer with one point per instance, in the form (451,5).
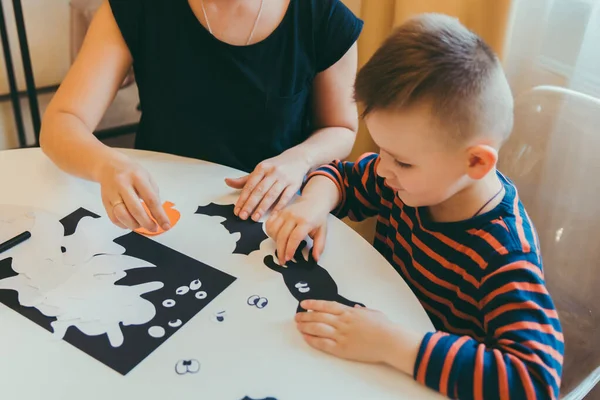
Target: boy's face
(416,160)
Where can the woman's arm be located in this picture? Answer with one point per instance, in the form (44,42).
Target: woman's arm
(82,99)
(73,114)
(335,113)
(336,119)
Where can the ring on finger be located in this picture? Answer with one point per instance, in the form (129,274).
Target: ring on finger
(116,203)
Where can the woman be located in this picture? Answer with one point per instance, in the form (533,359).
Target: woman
(264,86)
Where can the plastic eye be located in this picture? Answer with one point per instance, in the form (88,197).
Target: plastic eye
(262,302)
(193,366)
(252,300)
(175,323)
(195,285)
(302,287)
(201,295)
(182,290)
(187,366)
(168,303)
(219,316)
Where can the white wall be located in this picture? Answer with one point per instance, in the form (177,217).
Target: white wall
(47,26)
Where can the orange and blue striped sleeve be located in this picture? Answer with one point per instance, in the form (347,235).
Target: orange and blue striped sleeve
(359,186)
(521,356)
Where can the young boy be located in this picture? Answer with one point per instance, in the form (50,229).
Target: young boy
(438,106)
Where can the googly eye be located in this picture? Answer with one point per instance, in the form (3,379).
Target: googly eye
(201,295)
(253,299)
(187,366)
(176,323)
(182,290)
(195,285)
(302,287)
(168,303)
(219,316)
(180,367)
(193,366)
(156,332)
(262,302)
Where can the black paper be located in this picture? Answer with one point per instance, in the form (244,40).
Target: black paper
(71,221)
(173,269)
(252,234)
(266,398)
(301,274)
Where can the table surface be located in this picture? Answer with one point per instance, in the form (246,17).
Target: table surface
(253,352)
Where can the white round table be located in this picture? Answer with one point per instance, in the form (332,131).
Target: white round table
(254,352)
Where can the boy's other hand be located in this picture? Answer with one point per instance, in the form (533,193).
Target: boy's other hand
(358,333)
(291,225)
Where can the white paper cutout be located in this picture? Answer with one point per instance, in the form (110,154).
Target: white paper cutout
(43,245)
(156,331)
(15,220)
(86,296)
(92,236)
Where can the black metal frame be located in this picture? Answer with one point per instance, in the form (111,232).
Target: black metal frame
(32,90)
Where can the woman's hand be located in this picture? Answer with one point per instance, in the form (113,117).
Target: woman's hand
(277,179)
(123,184)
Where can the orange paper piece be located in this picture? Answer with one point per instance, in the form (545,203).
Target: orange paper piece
(172,214)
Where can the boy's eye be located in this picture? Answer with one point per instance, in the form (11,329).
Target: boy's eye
(402,165)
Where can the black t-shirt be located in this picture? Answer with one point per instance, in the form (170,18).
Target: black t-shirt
(233,105)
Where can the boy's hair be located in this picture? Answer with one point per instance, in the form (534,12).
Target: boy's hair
(434,59)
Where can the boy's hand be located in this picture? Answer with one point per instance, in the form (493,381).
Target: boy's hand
(358,333)
(291,225)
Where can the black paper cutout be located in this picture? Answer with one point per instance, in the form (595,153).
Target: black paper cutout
(307,280)
(257,301)
(187,367)
(71,221)
(266,398)
(252,234)
(172,268)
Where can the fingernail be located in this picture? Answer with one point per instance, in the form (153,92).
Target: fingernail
(244,215)
(166,226)
(256,217)
(236,211)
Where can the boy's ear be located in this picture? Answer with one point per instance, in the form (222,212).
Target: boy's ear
(481,159)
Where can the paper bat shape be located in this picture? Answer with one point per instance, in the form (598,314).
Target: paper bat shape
(307,280)
(252,234)
(266,398)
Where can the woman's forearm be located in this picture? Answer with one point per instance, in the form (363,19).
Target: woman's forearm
(70,144)
(325,145)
